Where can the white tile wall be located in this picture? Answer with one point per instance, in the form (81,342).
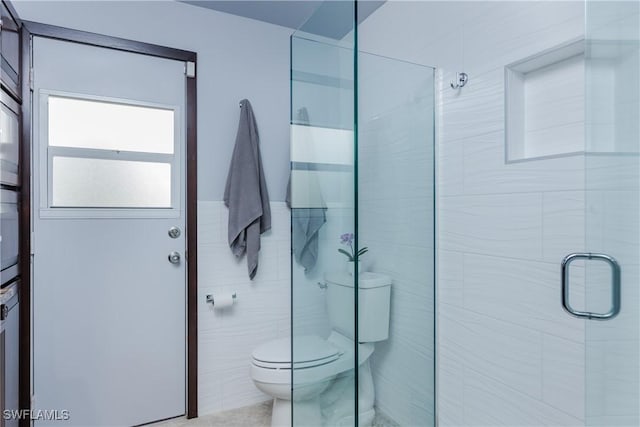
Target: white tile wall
(227,337)
(507,352)
(564,373)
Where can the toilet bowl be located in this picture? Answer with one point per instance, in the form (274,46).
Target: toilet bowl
(323,374)
(317,363)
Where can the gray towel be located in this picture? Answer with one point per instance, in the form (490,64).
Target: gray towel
(246,192)
(306,224)
(306,221)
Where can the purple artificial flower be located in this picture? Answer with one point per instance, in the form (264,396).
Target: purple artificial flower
(347,239)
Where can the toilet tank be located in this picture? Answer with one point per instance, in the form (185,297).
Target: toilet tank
(374,298)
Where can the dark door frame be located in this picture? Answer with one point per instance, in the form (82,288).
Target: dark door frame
(29,30)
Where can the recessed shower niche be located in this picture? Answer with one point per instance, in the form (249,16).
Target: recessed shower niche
(544,103)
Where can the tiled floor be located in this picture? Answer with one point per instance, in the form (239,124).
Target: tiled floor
(250,416)
(383,421)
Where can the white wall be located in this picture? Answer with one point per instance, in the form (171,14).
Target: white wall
(237,58)
(507,353)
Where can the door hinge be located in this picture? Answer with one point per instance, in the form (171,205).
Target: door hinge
(190,69)
(33,243)
(31,77)
(33,402)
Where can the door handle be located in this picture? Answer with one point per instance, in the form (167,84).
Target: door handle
(174,257)
(615,286)
(174,232)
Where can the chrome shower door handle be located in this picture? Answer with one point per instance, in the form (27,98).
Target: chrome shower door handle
(615,285)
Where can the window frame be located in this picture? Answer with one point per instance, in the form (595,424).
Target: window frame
(47,153)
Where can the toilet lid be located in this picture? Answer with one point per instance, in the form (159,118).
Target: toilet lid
(309,350)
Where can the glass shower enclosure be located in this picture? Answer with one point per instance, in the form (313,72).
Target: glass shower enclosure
(612,211)
(362,211)
(524,334)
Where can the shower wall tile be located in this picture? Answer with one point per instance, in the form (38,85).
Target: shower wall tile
(563,224)
(523,293)
(551,30)
(508,225)
(563,376)
(502,350)
(614,392)
(436,16)
(489,402)
(621,227)
(261,311)
(612,172)
(450,277)
(450,167)
(533,28)
(476,110)
(450,382)
(486,172)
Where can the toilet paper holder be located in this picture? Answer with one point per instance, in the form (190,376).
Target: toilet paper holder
(211,300)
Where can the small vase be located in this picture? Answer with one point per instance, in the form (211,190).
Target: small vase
(351,267)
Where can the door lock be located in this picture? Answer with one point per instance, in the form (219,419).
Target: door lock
(174,232)
(174,257)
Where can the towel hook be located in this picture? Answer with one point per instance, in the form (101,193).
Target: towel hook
(461,81)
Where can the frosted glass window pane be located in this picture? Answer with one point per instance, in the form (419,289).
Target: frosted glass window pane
(81,182)
(83,123)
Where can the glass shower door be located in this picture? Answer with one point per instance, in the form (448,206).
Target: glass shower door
(396,375)
(612,212)
(362,206)
(322,201)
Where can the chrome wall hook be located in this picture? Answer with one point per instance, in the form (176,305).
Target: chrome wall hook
(461,81)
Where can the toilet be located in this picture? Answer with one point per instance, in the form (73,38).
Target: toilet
(323,368)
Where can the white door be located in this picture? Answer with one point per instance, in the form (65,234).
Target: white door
(109,306)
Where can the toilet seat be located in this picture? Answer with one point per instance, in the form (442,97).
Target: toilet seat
(325,358)
(309,351)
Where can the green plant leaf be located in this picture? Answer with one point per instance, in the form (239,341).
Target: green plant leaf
(342,251)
